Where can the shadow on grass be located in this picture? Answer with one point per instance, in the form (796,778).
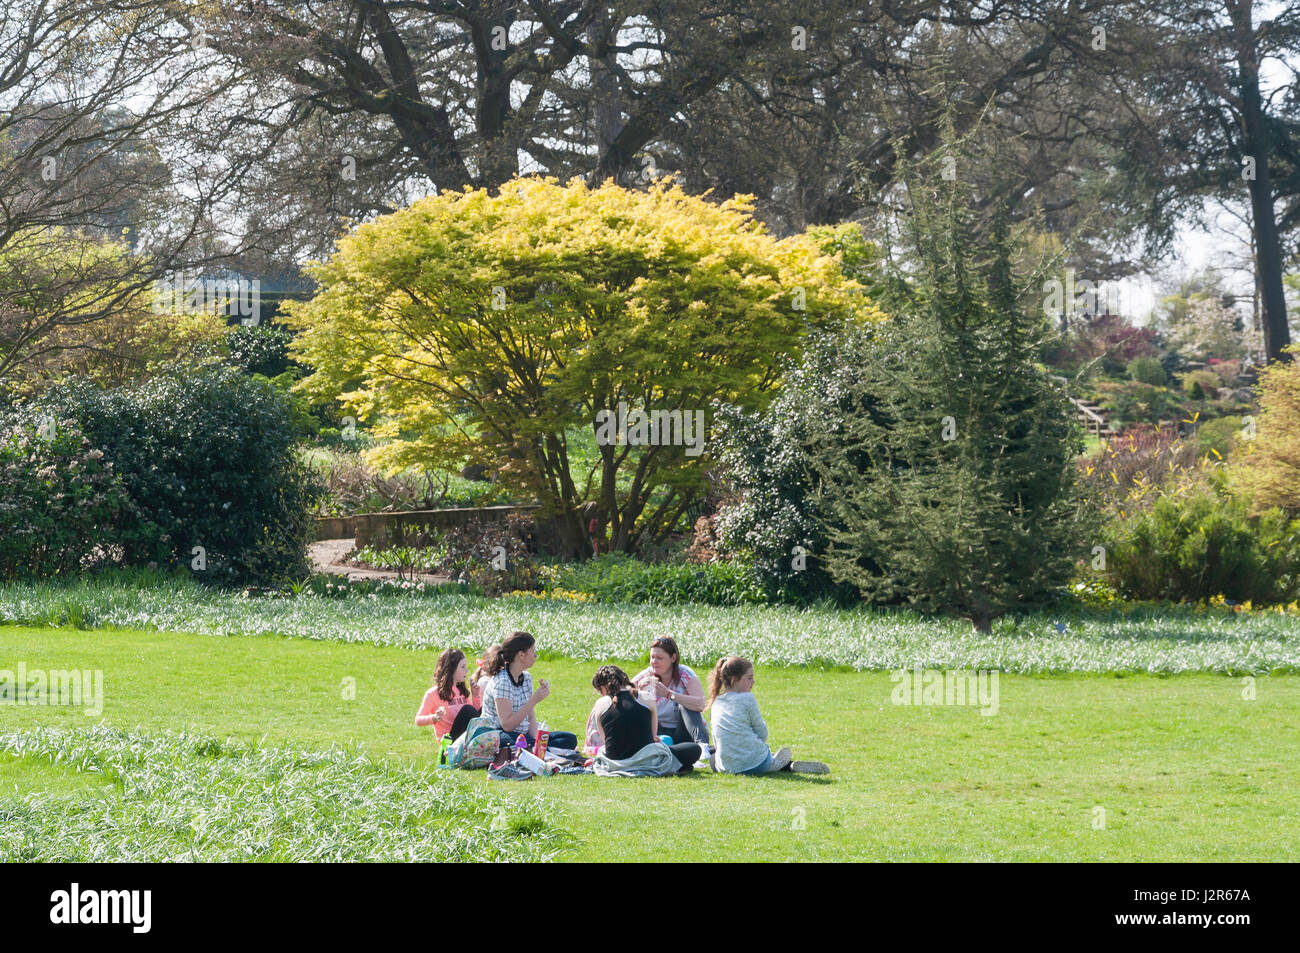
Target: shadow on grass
(777,775)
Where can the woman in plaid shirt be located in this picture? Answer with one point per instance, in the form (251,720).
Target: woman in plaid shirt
(508,697)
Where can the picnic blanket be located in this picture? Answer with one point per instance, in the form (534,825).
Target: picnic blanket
(655,760)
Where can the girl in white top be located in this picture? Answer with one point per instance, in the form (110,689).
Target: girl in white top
(673,684)
(739,732)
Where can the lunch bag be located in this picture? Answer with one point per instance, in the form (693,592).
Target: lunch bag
(475,748)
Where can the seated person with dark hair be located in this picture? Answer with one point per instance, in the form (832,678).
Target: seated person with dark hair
(625,724)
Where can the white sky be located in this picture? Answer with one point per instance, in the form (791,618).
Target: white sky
(1224,244)
(1195,249)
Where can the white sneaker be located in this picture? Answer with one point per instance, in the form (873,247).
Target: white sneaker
(810,767)
(781,760)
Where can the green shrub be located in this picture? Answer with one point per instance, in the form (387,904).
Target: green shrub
(260,349)
(621,578)
(1147,370)
(305,424)
(1090,594)
(1200,541)
(950,480)
(1201,385)
(208,458)
(1218,436)
(59,499)
(774,523)
(1131,402)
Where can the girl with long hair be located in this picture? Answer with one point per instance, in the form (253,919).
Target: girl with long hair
(450,704)
(509,701)
(679,693)
(739,732)
(625,724)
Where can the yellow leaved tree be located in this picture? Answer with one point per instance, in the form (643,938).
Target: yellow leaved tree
(572,339)
(1268,467)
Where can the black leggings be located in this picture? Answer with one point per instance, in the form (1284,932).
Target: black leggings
(680,734)
(461,721)
(687,753)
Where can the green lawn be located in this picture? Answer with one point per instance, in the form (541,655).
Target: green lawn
(1183,766)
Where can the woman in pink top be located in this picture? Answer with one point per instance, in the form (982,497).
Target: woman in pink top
(449,705)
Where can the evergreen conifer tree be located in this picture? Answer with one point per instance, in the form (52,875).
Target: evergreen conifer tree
(951,480)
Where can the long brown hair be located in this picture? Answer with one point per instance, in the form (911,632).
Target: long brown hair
(666,643)
(500,656)
(611,679)
(445,671)
(728,669)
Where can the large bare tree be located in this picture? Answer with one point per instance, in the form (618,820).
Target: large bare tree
(104,182)
(802,106)
(1201,118)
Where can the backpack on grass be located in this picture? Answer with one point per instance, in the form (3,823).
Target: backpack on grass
(476,747)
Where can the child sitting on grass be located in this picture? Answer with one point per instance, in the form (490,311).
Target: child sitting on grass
(450,704)
(739,732)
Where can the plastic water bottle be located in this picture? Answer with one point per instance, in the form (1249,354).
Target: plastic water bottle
(648,692)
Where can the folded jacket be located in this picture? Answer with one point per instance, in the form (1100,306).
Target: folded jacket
(655,760)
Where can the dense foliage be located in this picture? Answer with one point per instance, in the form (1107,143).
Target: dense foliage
(208,459)
(1147,370)
(59,498)
(774,523)
(1198,541)
(951,481)
(259,349)
(496,328)
(72,304)
(1270,469)
(621,578)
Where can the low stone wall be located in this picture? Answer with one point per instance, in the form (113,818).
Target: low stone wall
(335,527)
(402,529)
(405,527)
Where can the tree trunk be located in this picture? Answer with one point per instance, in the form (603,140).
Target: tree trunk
(575,535)
(607,96)
(608,514)
(554,460)
(1277,333)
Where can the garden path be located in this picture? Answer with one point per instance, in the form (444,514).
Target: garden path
(327,555)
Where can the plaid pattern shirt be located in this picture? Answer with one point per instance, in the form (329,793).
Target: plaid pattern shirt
(500,686)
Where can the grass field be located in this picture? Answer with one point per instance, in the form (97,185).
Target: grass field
(1072,767)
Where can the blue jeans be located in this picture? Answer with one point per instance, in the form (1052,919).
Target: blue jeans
(760,768)
(559,739)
